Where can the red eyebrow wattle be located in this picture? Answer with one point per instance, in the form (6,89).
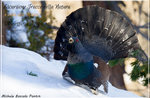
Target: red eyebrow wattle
(77,40)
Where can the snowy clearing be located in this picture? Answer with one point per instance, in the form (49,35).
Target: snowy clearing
(17,63)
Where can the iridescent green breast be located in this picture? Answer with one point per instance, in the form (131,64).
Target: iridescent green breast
(80,70)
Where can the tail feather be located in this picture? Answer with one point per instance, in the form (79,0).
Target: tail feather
(125,38)
(102,32)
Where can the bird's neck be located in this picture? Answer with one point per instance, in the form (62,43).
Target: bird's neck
(80,70)
(78,58)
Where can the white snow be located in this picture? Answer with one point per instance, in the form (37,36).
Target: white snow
(17,62)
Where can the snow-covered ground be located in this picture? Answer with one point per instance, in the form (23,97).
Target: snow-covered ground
(15,80)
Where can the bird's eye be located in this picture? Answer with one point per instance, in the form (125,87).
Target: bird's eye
(71,40)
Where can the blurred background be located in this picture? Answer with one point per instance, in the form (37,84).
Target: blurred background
(35,29)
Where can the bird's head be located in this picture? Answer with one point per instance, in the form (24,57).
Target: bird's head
(74,45)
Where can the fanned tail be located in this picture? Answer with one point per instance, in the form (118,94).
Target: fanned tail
(102,32)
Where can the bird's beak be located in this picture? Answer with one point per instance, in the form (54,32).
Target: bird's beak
(71,40)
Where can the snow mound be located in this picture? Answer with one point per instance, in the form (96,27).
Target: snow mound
(45,81)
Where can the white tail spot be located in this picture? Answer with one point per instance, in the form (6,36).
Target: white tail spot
(96,65)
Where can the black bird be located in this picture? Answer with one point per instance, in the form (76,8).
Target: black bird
(88,32)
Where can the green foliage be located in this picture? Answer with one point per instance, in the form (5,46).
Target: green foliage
(32,74)
(37,30)
(116,61)
(9,24)
(140,71)
(135,53)
(141,68)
